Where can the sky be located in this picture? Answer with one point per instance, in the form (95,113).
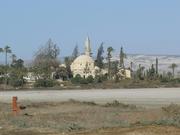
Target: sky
(140,26)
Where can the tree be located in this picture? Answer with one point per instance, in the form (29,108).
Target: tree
(157,64)
(46,59)
(1,50)
(75,52)
(122,56)
(151,74)
(18,64)
(140,72)
(6,50)
(13,56)
(131,66)
(68,61)
(86,69)
(61,73)
(109,56)
(173,66)
(115,70)
(100,58)
(16,73)
(169,75)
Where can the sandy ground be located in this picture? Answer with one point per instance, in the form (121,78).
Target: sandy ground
(148,97)
(84,118)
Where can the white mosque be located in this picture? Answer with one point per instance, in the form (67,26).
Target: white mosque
(84,64)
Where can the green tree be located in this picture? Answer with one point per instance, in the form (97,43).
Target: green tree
(75,53)
(151,73)
(122,56)
(1,50)
(173,66)
(18,64)
(140,72)
(86,69)
(6,50)
(109,56)
(157,64)
(68,62)
(61,73)
(100,58)
(169,75)
(16,73)
(115,70)
(13,57)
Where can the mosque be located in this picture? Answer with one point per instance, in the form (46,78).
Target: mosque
(84,64)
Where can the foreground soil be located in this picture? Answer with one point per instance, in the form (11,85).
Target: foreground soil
(146,130)
(88,118)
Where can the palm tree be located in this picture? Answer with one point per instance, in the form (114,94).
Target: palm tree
(109,56)
(1,50)
(13,56)
(7,50)
(173,66)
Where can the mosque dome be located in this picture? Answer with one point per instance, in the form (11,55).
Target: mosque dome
(83,59)
(84,64)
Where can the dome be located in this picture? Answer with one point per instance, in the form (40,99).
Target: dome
(83,59)
(83,65)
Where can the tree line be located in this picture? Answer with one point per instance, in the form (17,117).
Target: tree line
(46,67)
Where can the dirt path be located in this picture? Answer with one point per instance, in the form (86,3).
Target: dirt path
(151,97)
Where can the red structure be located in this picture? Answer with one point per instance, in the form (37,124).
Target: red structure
(15,108)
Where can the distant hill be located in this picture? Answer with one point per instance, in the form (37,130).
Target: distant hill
(147,60)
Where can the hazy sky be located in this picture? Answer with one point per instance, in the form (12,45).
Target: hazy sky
(141,26)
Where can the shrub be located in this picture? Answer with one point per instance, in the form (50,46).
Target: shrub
(16,82)
(79,80)
(116,103)
(44,83)
(100,78)
(90,79)
(2,80)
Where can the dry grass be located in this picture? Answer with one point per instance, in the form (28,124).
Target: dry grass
(76,117)
(148,130)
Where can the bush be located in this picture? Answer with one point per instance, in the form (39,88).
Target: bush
(44,83)
(100,78)
(116,103)
(90,79)
(79,80)
(2,80)
(16,82)
(164,79)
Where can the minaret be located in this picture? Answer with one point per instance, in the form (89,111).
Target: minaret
(88,47)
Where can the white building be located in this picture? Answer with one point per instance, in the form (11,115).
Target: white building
(84,64)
